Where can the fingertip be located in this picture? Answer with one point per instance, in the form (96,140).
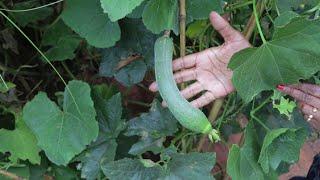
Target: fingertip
(153,87)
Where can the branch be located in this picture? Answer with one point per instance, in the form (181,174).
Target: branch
(127,61)
(182,20)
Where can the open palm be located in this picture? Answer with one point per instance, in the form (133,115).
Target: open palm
(209,67)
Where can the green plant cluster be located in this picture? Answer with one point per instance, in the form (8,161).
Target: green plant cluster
(74,102)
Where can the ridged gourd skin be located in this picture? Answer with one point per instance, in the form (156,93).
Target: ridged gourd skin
(188,116)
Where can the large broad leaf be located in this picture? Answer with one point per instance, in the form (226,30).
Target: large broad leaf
(25,18)
(181,166)
(131,169)
(191,166)
(160,15)
(293,54)
(120,8)
(243,162)
(63,133)
(88,20)
(281,145)
(135,42)
(20,142)
(200,9)
(152,127)
(109,112)
(62,42)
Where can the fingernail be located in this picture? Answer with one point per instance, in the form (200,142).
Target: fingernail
(281,87)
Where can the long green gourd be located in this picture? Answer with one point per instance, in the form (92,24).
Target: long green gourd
(188,116)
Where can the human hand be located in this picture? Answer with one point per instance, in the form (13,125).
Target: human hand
(209,67)
(308,96)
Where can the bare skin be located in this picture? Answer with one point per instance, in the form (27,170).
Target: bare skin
(209,67)
(209,71)
(308,96)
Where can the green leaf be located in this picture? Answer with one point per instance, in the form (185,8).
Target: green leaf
(285,107)
(293,54)
(20,142)
(88,20)
(137,12)
(135,42)
(288,5)
(62,42)
(109,112)
(147,144)
(285,18)
(196,28)
(281,145)
(130,169)
(152,127)
(120,8)
(63,134)
(191,166)
(200,9)
(132,73)
(6,87)
(25,18)
(242,162)
(160,15)
(91,163)
(158,122)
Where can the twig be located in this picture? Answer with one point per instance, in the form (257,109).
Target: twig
(127,61)
(218,103)
(182,20)
(10,175)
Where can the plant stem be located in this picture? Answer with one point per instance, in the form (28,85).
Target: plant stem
(5,84)
(182,20)
(31,9)
(10,175)
(255,12)
(238,5)
(68,70)
(44,57)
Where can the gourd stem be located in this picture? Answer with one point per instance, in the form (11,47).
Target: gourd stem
(255,12)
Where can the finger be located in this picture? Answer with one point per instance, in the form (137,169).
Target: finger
(153,87)
(185,62)
(203,100)
(309,110)
(192,90)
(224,28)
(185,75)
(300,96)
(311,89)
(315,123)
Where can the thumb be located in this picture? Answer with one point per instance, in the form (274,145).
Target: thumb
(224,28)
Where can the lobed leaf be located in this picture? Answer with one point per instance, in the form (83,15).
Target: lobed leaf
(63,133)
(293,54)
(88,20)
(120,8)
